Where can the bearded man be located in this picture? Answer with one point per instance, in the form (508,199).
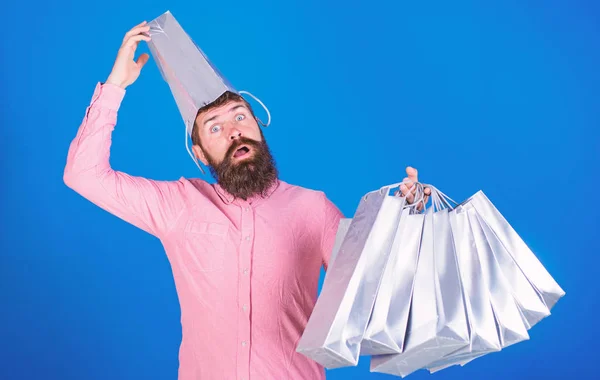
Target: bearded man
(245,252)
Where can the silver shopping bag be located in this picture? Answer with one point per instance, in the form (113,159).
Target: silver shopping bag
(193,79)
(532,307)
(519,286)
(387,327)
(340,234)
(547,288)
(437,324)
(509,319)
(509,322)
(337,324)
(483,336)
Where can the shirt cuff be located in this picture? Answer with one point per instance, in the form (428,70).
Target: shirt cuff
(107,95)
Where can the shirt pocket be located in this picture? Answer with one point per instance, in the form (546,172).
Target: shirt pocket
(204,246)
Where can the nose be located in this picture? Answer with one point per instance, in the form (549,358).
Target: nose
(234,133)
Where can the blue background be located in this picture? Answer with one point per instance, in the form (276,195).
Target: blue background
(500,96)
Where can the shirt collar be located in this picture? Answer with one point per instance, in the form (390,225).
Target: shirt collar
(227,198)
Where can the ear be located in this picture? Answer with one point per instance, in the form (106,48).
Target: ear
(199,153)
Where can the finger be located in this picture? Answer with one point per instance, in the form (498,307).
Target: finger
(132,30)
(410,186)
(134,40)
(139,30)
(412,189)
(136,30)
(142,59)
(405,186)
(403,190)
(406,191)
(412,174)
(426,195)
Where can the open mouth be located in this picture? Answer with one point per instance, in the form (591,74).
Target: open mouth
(242,151)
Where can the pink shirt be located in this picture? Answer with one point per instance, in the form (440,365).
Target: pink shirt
(246,273)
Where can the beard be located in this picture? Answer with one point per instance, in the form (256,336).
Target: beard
(246,177)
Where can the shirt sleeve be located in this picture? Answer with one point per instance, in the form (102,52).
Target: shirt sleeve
(331,218)
(147,204)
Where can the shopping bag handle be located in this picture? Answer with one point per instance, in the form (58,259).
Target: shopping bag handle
(386,189)
(438,202)
(383,189)
(439,199)
(263,106)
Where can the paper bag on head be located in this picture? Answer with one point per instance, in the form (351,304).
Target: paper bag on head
(194,81)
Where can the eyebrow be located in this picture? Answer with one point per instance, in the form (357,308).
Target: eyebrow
(230,110)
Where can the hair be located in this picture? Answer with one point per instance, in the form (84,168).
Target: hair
(227,97)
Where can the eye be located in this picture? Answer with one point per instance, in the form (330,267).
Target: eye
(240,117)
(215,128)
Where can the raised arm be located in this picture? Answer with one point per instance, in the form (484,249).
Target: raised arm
(148,204)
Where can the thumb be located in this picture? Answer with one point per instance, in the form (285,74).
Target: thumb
(142,59)
(412,173)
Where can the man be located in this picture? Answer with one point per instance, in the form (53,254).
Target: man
(245,252)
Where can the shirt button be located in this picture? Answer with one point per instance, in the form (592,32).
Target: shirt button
(244,343)
(245,307)
(247,237)
(247,209)
(245,271)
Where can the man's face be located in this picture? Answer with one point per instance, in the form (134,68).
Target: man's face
(220,128)
(233,146)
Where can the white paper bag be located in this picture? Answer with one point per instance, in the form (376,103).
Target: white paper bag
(389,319)
(538,276)
(516,280)
(438,321)
(338,322)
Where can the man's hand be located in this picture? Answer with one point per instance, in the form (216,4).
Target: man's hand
(125,70)
(408,190)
